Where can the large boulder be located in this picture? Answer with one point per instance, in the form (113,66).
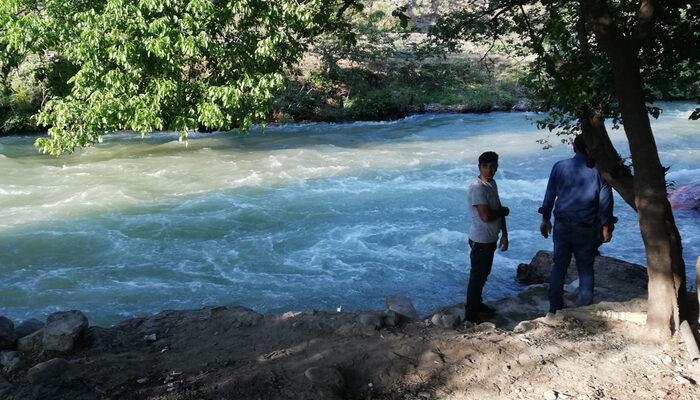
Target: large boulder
(610,273)
(28,327)
(6,388)
(373,320)
(165,323)
(615,281)
(325,377)
(31,343)
(686,197)
(7,334)
(48,371)
(403,306)
(10,360)
(63,330)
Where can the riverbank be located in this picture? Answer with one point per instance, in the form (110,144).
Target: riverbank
(231,352)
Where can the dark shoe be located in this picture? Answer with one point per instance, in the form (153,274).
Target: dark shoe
(483,308)
(472,317)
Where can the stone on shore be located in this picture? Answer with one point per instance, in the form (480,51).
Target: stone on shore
(447,317)
(48,371)
(403,306)
(63,330)
(390,319)
(28,327)
(10,360)
(325,378)
(31,343)
(615,281)
(7,334)
(686,197)
(609,272)
(370,319)
(5,388)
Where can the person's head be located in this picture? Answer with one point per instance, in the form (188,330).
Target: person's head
(579,145)
(488,164)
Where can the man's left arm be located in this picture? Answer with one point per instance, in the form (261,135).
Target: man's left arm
(605,209)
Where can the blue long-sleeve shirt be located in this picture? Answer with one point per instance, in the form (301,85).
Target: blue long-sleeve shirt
(577,192)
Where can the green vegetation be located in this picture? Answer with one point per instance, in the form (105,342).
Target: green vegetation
(365,93)
(388,72)
(89,68)
(156,64)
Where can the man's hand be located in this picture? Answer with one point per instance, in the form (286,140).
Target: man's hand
(545,228)
(607,233)
(503,243)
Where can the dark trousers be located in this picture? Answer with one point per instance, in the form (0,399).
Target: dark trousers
(571,237)
(481,257)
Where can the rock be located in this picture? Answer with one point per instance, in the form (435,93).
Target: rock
(525,326)
(468,325)
(11,360)
(355,329)
(521,105)
(5,388)
(449,321)
(444,320)
(31,343)
(63,330)
(150,337)
(615,280)
(7,334)
(105,339)
(572,287)
(28,327)
(47,371)
(686,197)
(537,271)
(326,378)
(485,327)
(681,380)
(391,318)
(550,395)
(371,320)
(458,312)
(402,305)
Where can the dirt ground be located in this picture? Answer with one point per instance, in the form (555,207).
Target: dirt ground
(234,353)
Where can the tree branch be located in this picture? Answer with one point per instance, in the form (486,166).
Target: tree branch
(645,21)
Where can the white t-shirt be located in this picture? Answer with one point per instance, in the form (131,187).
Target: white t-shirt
(481,192)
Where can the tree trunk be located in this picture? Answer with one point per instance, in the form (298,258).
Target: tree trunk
(606,158)
(662,241)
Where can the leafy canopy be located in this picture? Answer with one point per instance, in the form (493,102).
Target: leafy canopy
(570,75)
(151,65)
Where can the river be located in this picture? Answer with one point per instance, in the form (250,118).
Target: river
(300,217)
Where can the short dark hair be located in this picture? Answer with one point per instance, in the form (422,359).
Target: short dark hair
(488,157)
(579,144)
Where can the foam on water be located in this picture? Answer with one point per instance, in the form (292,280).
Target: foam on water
(300,217)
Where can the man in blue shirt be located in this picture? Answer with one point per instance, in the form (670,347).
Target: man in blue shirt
(583,205)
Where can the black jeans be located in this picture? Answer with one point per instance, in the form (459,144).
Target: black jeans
(481,257)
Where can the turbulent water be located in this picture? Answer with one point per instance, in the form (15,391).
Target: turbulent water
(301,217)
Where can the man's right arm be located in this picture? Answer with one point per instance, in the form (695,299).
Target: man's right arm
(548,203)
(488,214)
(549,195)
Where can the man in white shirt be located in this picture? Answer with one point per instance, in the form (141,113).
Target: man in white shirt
(488,219)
